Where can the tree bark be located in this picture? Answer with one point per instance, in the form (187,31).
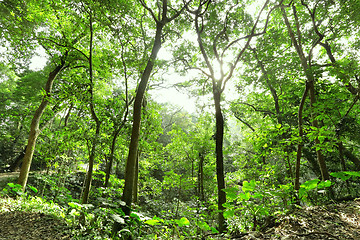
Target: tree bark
(301,144)
(34,127)
(134,142)
(136,178)
(111,159)
(201,178)
(113,144)
(220,176)
(310,83)
(88,179)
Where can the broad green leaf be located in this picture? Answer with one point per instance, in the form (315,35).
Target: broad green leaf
(311,184)
(324,184)
(231,193)
(152,222)
(203,226)
(182,222)
(340,175)
(117,218)
(248,186)
(355,174)
(245,196)
(229,213)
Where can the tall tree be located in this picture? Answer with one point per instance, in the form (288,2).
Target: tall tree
(215,50)
(161,19)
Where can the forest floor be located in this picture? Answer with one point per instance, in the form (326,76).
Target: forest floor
(16,225)
(338,221)
(331,222)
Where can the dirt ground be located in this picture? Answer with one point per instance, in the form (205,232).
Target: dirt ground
(340,221)
(17,225)
(331,222)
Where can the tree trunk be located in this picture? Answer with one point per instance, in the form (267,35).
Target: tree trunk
(113,144)
(17,161)
(300,144)
(34,127)
(88,179)
(324,172)
(136,179)
(134,142)
(310,84)
(201,178)
(111,159)
(219,158)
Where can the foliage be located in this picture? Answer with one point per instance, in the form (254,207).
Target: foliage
(270,135)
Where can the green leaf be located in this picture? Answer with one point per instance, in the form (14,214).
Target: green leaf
(324,184)
(248,186)
(355,174)
(203,226)
(340,175)
(278,126)
(214,230)
(311,184)
(152,222)
(117,218)
(75,205)
(245,196)
(229,213)
(231,193)
(182,222)
(34,189)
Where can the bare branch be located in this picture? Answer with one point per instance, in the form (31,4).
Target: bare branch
(201,45)
(244,122)
(142,2)
(257,109)
(65,46)
(177,13)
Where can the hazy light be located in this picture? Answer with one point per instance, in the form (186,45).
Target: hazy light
(38,61)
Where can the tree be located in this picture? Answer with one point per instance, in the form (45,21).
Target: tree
(161,20)
(218,47)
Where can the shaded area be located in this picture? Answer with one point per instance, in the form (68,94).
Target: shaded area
(16,225)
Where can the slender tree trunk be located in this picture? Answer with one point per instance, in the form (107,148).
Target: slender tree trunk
(113,144)
(341,154)
(310,84)
(34,127)
(134,142)
(201,178)
(88,179)
(17,161)
(111,159)
(136,179)
(219,158)
(324,172)
(300,144)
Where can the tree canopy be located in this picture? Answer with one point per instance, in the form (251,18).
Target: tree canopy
(276,85)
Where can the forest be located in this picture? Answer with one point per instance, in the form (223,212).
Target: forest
(270,148)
